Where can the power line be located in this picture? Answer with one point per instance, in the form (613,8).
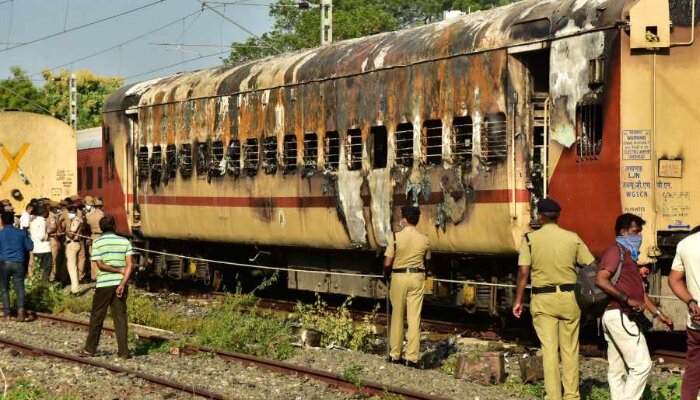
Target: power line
(204,4)
(176,64)
(32,102)
(116,46)
(84,25)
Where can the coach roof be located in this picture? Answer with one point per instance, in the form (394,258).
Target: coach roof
(519,23)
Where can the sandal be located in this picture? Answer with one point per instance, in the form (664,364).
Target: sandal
(84,353)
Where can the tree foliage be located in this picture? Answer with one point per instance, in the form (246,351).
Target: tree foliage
(298,29)
(53,97)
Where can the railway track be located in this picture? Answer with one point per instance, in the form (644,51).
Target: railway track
(368,388)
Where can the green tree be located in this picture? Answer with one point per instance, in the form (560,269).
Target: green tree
(19,93)
(298,29)
(93,91)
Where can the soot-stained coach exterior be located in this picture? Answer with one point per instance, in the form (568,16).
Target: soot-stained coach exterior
(310,154)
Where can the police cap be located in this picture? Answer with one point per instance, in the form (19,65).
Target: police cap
(548,205)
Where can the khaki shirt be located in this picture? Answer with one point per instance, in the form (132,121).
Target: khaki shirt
(93,220)
(412,247)
(554,255)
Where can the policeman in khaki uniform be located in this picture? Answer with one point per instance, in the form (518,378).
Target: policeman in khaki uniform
(405,259)
(95,214)
(551,254)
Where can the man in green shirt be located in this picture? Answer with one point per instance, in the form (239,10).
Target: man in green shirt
(113,255)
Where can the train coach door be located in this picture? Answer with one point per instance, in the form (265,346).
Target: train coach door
(132,207)
(529,68)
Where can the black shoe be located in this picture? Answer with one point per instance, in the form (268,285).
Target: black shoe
(412,364)
(391,360)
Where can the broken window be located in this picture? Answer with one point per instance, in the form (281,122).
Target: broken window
(170,162)
(432,137)
(494,139)
(156,167)
(80,178)
(589,131)
(463,133)
(354,149)
(290,154)
(233,163)
(252,157)
(378,139)
(404,144)
(310,153)
(201,157)
(217,156)
(270,155)
(332,150)
(99,177)
(186,160)
(143,164)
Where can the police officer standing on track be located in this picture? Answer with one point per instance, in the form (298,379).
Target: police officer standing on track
(551,254)
(95,214)
(405,258)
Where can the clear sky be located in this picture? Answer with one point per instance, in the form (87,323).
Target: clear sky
(25,20)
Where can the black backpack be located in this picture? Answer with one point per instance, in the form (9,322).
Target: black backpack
(591,299)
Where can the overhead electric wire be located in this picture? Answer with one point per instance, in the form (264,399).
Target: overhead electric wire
(32,102)
(9,28)
(84,25)
(204,4)
(133,39)
(176,64)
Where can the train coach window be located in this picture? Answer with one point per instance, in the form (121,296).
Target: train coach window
(332,143)
(290,154)
(463,133)
(378,139)
(99,177)
(354,149)
(217,156)
(156,166)
(170,162)
(270,155)
(589,130)
(252,157)
(432,141)
(88,178)
(143,163)
(494,139)
(310,153)
(186,160)
(233,165)
(110,164)
(201,157)
(404,144)
(80,178)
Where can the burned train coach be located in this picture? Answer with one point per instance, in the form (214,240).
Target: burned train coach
(37,158)
(310,154)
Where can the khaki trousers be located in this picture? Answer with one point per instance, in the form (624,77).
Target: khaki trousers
(55,251)
(629,363)
(556,317)
(72,250)
(406,295)
(81,259)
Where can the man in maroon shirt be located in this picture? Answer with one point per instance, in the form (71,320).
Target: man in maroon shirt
(629,363)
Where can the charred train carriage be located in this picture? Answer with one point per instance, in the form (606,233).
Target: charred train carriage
(308,156)
(37,158)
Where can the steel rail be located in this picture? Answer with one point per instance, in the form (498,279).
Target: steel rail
(38,351)
(369,388)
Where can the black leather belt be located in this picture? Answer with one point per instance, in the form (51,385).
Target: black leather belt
(408,270)
(569,287)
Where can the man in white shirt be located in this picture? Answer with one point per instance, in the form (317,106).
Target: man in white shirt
(42,243)
(685,283)
(26,218)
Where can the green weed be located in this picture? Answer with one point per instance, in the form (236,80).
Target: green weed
(669,389)
(352,374)
(25,390)
(514,385)
(337,326)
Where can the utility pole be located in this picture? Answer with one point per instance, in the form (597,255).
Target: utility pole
(326,22)
(73,102)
